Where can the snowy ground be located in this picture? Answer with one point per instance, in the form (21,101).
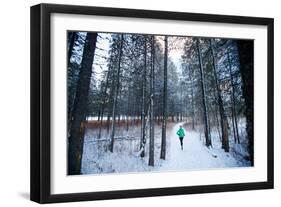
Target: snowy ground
(194,156)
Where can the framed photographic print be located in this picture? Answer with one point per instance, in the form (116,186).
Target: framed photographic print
(133,103)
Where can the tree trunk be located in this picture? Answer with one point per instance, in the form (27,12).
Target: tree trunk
(128,109)
(233,100)
(99,112)
(217,120)
(133,113)
(246,57)
(164,122)
(76,138)
(116,90)
(224,124)
(205,110)
(151,114)
(143,138)
(233,124)
(103,104)
(72,38)
(192,97)
(118,107)
(110,101)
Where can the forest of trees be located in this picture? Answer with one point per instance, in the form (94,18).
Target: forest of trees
(131,82)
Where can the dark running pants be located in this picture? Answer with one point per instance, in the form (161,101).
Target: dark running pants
(181,140)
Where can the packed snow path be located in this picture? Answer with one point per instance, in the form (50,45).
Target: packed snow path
(194,154)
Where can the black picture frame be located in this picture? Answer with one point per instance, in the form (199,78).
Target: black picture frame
(41,95)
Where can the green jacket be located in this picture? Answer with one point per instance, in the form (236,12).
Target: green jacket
(180,132)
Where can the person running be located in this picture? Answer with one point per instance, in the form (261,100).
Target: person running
(181,135)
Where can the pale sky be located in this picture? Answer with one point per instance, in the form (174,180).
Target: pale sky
(175,50)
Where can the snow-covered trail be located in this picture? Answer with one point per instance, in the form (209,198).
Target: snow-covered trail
(125,158)
(194,154)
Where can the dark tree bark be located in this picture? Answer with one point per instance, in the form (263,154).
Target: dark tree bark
(192,97)
(118,107)
(99,113)
(76,138)
(235,125)
(246,57)
(133,112)
(151,114)
(164,122)
(108,120)
(143,138)
(110,104)
(205,110)
(103,104)
(128,109)
(116,90)
(224,124)
(181,104)
(217,121)
(72,36)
